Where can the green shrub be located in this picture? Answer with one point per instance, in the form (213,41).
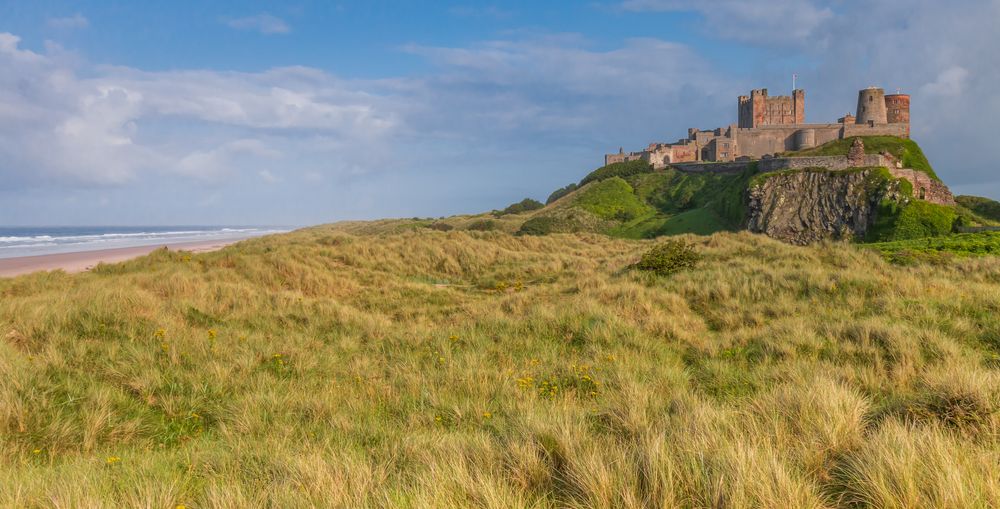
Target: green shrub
(918,219)
(612,199)
(669,257)
(525,205)
(482,225)
(617,170)
(562,191)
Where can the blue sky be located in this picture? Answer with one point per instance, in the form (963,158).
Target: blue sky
(309,112)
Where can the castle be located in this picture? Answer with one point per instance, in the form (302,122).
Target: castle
(769,125)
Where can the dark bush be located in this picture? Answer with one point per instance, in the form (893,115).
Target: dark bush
(669,257)
(559,193)
(441,227)
(525,205)
(541,225)
(482,225)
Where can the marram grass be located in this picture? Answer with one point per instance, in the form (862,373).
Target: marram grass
(370,366)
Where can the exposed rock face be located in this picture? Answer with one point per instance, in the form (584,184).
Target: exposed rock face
(811,205)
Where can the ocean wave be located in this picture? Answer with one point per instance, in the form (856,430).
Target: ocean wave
(26,239)
(97,237)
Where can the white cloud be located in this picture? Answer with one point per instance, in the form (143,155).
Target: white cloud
(268,177)
(75,21)
(115,124)
(949,83)
(263,23)
(770,22)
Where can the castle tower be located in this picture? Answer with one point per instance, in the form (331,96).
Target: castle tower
(871,106)
(897,108)
(758,109)
(799,105)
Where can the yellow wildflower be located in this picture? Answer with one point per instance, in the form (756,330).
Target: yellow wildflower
(113,459)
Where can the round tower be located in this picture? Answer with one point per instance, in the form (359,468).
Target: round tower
(897,108)
(871,106)
(805,138)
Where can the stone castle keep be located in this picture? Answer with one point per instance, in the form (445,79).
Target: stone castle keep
(770,125)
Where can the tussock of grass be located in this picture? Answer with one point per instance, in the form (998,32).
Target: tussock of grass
(382,365)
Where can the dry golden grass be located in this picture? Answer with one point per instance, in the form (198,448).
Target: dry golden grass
(370,365)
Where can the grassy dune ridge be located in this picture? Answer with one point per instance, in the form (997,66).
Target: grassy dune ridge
(364,365)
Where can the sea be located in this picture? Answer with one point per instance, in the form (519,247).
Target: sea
(41,240)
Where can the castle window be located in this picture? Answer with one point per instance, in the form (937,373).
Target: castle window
(870,98)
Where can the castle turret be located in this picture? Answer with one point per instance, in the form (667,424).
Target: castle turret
(871,106)
(897,108)
(799,106)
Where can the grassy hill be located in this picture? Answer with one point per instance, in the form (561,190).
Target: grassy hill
(391,365)
(632,200)
(986,210)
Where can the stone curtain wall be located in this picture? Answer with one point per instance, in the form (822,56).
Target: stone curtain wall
(828,162)
(733,167)
(898,130)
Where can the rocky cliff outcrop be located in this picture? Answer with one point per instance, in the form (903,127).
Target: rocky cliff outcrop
(806,206)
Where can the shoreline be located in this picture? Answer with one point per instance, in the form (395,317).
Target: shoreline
(82,261)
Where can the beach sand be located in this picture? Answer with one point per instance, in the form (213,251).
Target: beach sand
(86,260)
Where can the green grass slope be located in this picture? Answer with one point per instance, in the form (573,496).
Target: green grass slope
(612,198)
(985,208)
(417,368)
(905,150)
(940,249)
(634,201)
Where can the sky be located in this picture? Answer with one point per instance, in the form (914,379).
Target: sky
(306,112)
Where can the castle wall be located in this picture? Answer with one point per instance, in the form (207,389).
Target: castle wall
(621,158)
(761,141)
(828,162)
(900,130)
(730,167)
